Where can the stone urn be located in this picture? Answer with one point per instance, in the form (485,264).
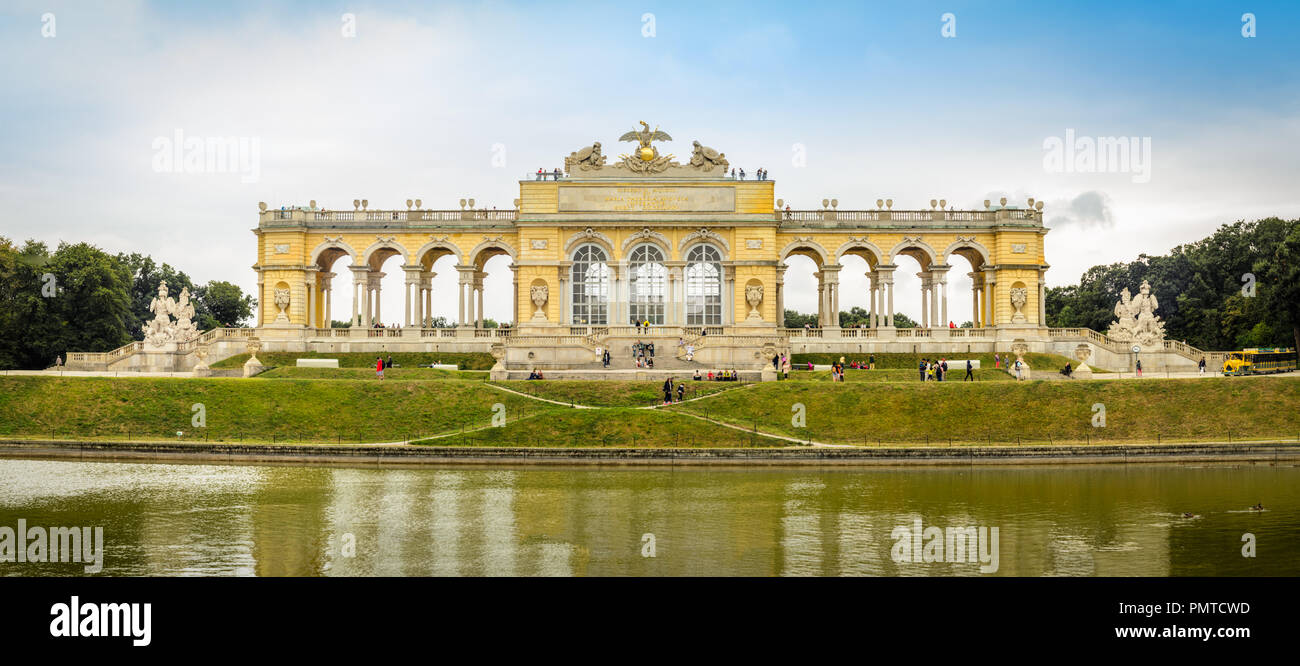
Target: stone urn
(754,296)
(253,366)
(202,369)
(540,293)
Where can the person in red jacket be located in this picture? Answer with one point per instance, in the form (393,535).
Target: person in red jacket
(379,367)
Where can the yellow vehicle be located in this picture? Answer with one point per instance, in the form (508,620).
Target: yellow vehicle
(1259,361)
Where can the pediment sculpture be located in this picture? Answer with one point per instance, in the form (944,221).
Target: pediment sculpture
(161,330)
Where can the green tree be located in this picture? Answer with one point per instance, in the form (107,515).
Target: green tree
(903,321)
(795,319)
(221,304)
(1278,278)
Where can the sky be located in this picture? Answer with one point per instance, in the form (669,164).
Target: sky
(442,101)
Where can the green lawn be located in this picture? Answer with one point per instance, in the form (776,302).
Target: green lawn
(249,409)
(1034,411)
(611,393)
(292,372)
(612,427)
(879,376)
(465,361)
(955,361)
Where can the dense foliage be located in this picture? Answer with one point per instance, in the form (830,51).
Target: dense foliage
(80,298)
(1240,287)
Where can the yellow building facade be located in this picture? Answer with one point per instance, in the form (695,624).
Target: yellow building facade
(687,246)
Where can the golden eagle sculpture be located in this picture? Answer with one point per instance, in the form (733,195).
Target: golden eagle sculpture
(644,136)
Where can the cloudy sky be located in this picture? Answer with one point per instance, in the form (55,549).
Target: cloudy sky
(837,100)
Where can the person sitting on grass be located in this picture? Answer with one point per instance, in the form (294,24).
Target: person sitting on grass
(697,374)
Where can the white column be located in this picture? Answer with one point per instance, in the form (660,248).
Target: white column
(871,299)
(889,311)
(925,306)
(1042,300)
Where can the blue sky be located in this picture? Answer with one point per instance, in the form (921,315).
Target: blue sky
(422,99)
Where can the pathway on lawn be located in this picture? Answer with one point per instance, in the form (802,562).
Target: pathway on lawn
(751,431)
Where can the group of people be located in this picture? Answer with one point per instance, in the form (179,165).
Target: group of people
(761,175)
(932,370)
(668,390)
(535,374)
(1004,362)
(542,174)
(644,354)
(642,326)
(717,376)
(381,364)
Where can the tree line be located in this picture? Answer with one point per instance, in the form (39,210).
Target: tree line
(1237,288)
(81,298)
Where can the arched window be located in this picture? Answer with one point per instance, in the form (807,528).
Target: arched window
(590,286)
(648,284)
(703,286)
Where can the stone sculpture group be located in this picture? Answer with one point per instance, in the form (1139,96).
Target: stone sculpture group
(161,330)
(1137,321)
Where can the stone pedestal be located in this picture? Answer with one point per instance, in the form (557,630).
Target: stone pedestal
(1082,372)
(252,367)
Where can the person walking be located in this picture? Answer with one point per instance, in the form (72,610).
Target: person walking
(871,362)
(681,390)
(379,367)
(668,391)
(1139,368)
(1019,373)
(921,367)
(970,371)
(1201,366)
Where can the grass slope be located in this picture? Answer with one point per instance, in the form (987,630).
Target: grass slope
(1037,411)
(251,409)
(909,361)
(465,361)
(614,427)
(611,393)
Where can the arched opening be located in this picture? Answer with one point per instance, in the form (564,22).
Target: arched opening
(330,276)
(435,303)
(385,289)
(913,289)
(492,289)
(647,284)
(800,290)
(591,278)
(863,306)
(967,278)
(703,286)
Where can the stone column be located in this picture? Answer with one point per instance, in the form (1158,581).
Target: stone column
(360,293)
(990,298)
(871,298)
(831,275)
(464,293)
(1042,299)
(376,277)
(478,289)
(728,295)
(327,294)
(780,295)
(514,308)
(925,297)
(821,299)
(412,291)
(939,275)
(309,285)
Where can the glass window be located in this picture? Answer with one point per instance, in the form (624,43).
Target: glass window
(703,286)
(591,279)
(648,284)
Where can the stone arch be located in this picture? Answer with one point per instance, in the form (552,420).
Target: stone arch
(589,236)
(332,249)
(808,248)
(914,246)
(967,246)
(378,247)
(875,256)
(490,247)
(708,237)
(434,245)
(650,237)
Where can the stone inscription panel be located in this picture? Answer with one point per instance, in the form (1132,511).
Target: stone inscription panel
(646,199)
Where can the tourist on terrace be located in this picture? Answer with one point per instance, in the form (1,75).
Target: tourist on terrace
(557,173)
(539,173)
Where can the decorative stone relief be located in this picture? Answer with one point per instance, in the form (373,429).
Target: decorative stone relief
(539,243)
(1137,321)
(705,158)
(754,296)
(539,293)
(706,235)
(1019,297)
(282,248)
(754,243)
(1019,248)
(282,302)
(585,159)
(647,234)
